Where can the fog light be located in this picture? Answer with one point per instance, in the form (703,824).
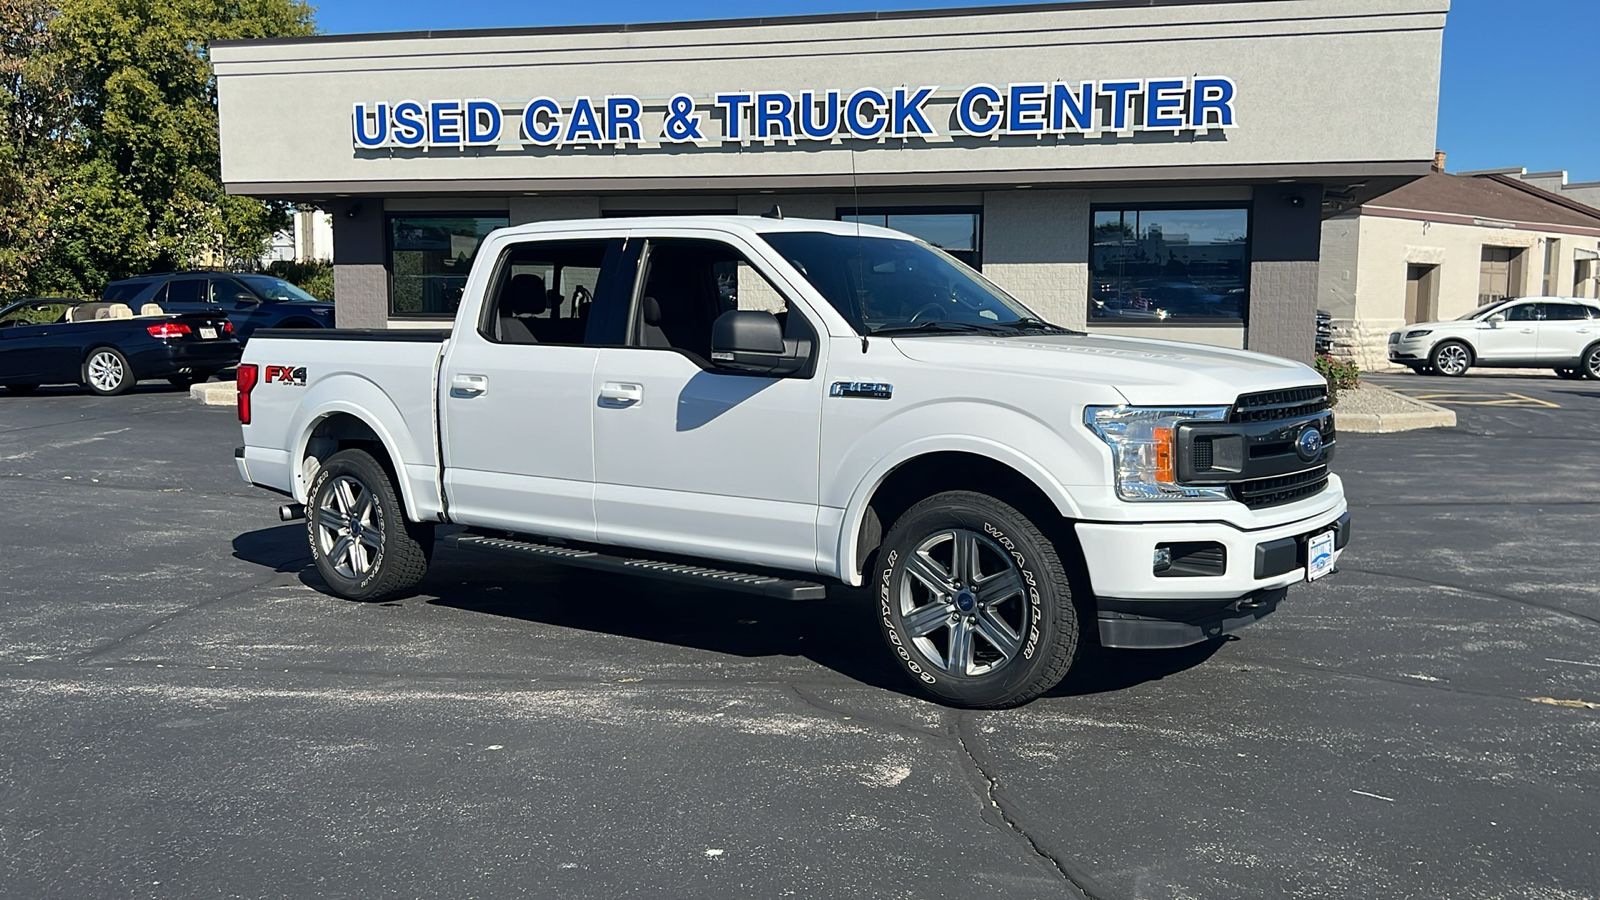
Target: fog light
(1163,559)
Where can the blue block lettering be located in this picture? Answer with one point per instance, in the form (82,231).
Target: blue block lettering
(873,125)
(409,128)
(1025,109)
(774,108)
(541,121)
(584,125)
(1163,104)
(444,122)
(1118,91)
(1069,112)
(967,113)
(483,122)
(1212,95)
(908,116)
(733,106)
(819,129)
(622,114)
(380,130)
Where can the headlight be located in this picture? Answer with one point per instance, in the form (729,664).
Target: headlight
(1420,332)
(1144,447)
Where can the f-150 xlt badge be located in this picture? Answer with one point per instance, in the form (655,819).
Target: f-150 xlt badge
(871,390)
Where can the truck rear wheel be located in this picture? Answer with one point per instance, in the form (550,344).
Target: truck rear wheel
(360,540)
(974,602)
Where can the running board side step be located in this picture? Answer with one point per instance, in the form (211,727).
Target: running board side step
(746,582)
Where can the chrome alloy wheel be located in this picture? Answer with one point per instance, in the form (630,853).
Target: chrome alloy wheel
(1452,359)
(964,603)
(349,529)
(106,371)
(1591,363)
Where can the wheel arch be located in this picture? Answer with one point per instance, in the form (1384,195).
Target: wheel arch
(894,487)
(345,427)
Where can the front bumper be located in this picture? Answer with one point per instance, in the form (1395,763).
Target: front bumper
(1141,607)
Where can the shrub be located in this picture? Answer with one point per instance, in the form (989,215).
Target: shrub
(315,278)
(1340,374)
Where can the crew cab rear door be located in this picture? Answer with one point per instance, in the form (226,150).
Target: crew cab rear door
(515,401)
(689,457)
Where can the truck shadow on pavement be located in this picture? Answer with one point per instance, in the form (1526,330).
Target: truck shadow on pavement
(839,633)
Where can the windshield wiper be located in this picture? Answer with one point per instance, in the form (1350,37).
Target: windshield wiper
(1029,323)
(934,326)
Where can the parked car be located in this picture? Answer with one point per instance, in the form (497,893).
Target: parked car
(249,301)
(863,410)
(106,348)
(1559,333)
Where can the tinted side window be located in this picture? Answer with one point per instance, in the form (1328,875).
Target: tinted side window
(1563,312)
(186,295)
(1527,312)
(687,284)
(124,293)
(548,292)
(227,292)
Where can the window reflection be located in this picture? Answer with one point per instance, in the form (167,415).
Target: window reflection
(429,258)
(956,233)
(1164,265)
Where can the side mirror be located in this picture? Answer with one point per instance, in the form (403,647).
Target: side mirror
(747,340)
(1495,320)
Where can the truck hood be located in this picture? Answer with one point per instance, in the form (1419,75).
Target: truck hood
(1146,372)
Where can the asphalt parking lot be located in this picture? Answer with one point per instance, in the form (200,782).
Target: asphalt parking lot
(187,715)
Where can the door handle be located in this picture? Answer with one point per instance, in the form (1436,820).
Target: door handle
(621,394)
(468,385)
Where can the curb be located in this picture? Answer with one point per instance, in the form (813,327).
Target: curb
(1425,415)
(215,393)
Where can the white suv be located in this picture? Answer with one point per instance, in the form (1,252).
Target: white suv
(1528,332)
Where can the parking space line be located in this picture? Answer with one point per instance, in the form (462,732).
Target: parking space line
(1507,398)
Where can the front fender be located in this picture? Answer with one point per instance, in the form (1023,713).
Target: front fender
(1030,447)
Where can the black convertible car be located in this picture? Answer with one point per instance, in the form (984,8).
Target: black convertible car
(106,347)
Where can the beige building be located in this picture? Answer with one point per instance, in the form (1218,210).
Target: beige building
(1126,166)
(1443,245)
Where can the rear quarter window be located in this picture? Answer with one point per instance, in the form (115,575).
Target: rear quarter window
(124,293)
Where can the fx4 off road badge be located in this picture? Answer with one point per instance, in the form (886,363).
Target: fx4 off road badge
(290,375)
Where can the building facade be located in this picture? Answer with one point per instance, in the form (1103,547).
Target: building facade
(1444,245)
(1158,168)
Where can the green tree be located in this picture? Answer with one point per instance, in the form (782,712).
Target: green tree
(125,172)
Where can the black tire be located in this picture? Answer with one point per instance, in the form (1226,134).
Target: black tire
(1589,366)
(1451,358)
(106,372)
(1040,618)
(183,381)
(340,526)
(1569,374)
(22,388)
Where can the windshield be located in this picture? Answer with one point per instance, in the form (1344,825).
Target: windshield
(274,288)
(1482,311)
(883,285)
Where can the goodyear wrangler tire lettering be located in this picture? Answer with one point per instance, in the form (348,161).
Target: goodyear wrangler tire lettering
(975,603)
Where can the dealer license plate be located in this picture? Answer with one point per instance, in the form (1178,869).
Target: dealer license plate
(1319,555)
(208,334)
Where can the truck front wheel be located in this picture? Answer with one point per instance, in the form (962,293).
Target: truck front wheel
(974,602)
(360,540)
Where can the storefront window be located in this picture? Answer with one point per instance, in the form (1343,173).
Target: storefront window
(956,232)
(429,258)
(1169,265)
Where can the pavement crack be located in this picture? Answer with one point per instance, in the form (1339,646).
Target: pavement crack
(1547,607)
(831,709)
(159,621)
(965,738)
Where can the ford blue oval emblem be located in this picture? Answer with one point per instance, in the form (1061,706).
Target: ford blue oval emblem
(1309,443)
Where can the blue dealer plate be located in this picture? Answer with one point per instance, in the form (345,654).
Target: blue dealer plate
(1319,555)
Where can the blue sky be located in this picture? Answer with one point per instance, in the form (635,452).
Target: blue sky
(1520,77)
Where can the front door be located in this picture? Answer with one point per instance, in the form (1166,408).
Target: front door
(692,460)
(515,391)
(25,341)
(1516,339)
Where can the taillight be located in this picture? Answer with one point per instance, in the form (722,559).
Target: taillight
(169,330)
(227,327)
(246,380)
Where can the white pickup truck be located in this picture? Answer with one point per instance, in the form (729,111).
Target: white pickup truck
(768,405)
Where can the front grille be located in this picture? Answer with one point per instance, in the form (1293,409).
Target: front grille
(1261,492)
(1285,404)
